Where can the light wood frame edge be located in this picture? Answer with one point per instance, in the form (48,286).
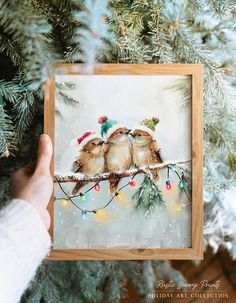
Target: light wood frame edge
(196,251)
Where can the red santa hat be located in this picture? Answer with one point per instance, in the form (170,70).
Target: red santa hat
(85,138)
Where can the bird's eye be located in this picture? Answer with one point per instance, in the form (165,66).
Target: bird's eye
(139,135)
(121,132)
(94,143)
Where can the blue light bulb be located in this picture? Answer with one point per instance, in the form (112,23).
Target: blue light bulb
(84,214)
(182,184)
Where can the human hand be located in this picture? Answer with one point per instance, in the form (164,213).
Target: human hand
(34,184)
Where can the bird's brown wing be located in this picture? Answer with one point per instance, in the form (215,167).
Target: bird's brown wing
(107,146)
(157,159)
(131,152)
(76,167)
(156,151)
(79,162)
(106,150)
(159,156)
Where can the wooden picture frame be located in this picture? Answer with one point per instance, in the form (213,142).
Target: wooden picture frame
(196,73)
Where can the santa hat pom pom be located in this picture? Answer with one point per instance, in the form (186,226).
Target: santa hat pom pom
(102,119)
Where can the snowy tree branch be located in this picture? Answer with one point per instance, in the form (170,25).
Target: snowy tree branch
(77,177)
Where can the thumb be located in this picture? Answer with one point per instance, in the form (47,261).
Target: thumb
(44,155)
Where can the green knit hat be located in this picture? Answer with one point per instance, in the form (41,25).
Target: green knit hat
(148,126)
(108,126)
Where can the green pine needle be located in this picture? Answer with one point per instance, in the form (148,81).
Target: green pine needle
(148,196)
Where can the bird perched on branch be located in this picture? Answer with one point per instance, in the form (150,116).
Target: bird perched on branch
(90,160)
(146,151)
(118,148)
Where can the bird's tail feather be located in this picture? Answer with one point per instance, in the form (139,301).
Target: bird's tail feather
(113,184)
(78,186)
(154,174)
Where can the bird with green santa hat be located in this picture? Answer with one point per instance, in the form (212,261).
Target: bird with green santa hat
(90,158)
(118,148)
(146,151)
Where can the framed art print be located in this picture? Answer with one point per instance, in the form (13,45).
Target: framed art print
(127,163)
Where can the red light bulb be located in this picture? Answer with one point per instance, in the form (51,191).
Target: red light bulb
(132,183)
(97,187)
(168,185)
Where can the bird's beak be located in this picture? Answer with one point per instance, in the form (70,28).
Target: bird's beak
(129,132)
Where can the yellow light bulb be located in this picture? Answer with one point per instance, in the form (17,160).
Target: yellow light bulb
(175,207)
(64,203)
(178,208)
(103,216)
(122,198)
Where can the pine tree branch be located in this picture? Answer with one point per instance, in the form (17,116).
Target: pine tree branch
(60,15)
(129,46)
(77,177)
(7,136)
(29,32)
(11,48)
(91,34)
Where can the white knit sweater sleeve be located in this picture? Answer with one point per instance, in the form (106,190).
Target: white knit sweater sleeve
(24,242)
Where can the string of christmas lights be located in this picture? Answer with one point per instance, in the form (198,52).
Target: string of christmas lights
(182,181)
(118,194)
(96,187)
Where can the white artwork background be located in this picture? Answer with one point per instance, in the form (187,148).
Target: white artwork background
(128,99)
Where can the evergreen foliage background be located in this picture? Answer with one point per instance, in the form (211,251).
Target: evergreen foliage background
(34,33)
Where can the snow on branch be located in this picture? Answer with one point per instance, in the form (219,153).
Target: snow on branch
(77,177)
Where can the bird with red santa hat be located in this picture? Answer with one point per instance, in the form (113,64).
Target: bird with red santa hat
(90,160)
